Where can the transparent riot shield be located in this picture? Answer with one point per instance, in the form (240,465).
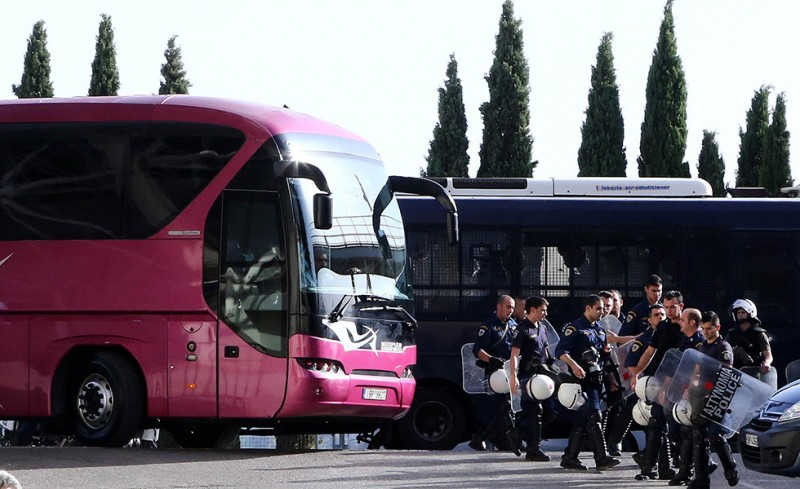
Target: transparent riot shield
(660,382)
(552,342)
(610,323)
(618,355)
(474,378)
(714,392)
(770,378)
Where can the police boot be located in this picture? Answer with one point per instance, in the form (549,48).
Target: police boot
(651,448)
(723,450)
(665,470)
(616,429)
(684,474)
(701,478)
(512,437)
(601,458)
(534,452)
(570,459)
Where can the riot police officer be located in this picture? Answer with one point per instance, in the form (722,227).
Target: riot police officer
(704,435)
(583,348)
(531,346)
(636,319)
(492,348)
(749,340)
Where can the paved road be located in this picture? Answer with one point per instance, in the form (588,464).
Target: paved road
(95,468)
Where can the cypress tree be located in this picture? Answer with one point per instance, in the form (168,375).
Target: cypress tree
(710,165)
(175,80)
(507,144)
(752,140)
(774,172)
(105,75)
(35,81)
(602,151)
(663,142)
(447,156)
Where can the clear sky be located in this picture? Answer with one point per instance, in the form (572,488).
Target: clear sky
(374,66)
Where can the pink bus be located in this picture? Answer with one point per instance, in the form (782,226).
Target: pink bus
(199,264)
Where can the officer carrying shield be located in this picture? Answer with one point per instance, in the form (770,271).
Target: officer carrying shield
(530,345)
(583,348)
(749,340)
(704,434)
(492,348)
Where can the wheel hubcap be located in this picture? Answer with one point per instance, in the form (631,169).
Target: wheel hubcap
(95,401)
(432,421)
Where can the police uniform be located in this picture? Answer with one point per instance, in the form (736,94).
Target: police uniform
(712,434)
(666,336)
(620,424)
(531,339)
(636,319)
(695,341)
(578,338)
(495,338)
(680,435)
(748,346)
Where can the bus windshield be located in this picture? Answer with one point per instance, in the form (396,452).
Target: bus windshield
(347,259)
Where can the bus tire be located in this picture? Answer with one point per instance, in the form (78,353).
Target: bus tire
(435,421)
(216,435)
(106,404)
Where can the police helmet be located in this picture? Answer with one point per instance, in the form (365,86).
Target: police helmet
(540,387)
(641,412)
(498,382)
(748,306)
(571,396)
(643,387)
(682,412)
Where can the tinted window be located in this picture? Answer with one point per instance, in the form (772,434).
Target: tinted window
(96,181)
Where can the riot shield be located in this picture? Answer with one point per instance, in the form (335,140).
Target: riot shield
(552,342)
(770,378)
(660,382)
(618,355)
(610,323)
(714,392)
(474,377)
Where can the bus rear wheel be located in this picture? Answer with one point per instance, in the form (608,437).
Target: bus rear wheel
(215,435)
(107,402)
(436,421)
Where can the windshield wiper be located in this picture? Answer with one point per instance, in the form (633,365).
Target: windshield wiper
(336,314)
(397,309)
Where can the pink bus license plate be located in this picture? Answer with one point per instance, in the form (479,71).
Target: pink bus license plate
(373,394)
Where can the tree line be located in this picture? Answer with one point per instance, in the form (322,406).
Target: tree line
(36,83)
(506,149)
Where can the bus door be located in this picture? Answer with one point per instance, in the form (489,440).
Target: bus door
(252,323)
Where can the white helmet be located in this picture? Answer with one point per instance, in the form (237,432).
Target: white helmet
(571,396)
(682,412)
(641,412)
(643,387)
(498,382)
(540,387)
(748,306)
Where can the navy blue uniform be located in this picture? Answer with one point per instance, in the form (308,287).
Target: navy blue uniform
(578,337)
(720,350)
(640,344)
(667,335)
(531,340)
(495,338)
(695,341)
(636,320)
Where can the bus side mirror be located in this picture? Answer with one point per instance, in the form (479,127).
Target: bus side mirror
(323,211)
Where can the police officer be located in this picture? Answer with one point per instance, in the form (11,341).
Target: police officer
(667,335)
(656,315)
(492,348)
(583,348)
(636,320)
(749,341)
(531,346)
(705,434)
(681,435)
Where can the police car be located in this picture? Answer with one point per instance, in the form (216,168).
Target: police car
(770,442)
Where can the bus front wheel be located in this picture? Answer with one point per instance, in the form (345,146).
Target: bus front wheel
(107,401)
(436,421)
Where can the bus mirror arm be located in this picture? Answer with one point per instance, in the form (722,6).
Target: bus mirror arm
(323,203)
(415,186)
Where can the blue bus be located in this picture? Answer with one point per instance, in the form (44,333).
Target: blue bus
(564,239)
